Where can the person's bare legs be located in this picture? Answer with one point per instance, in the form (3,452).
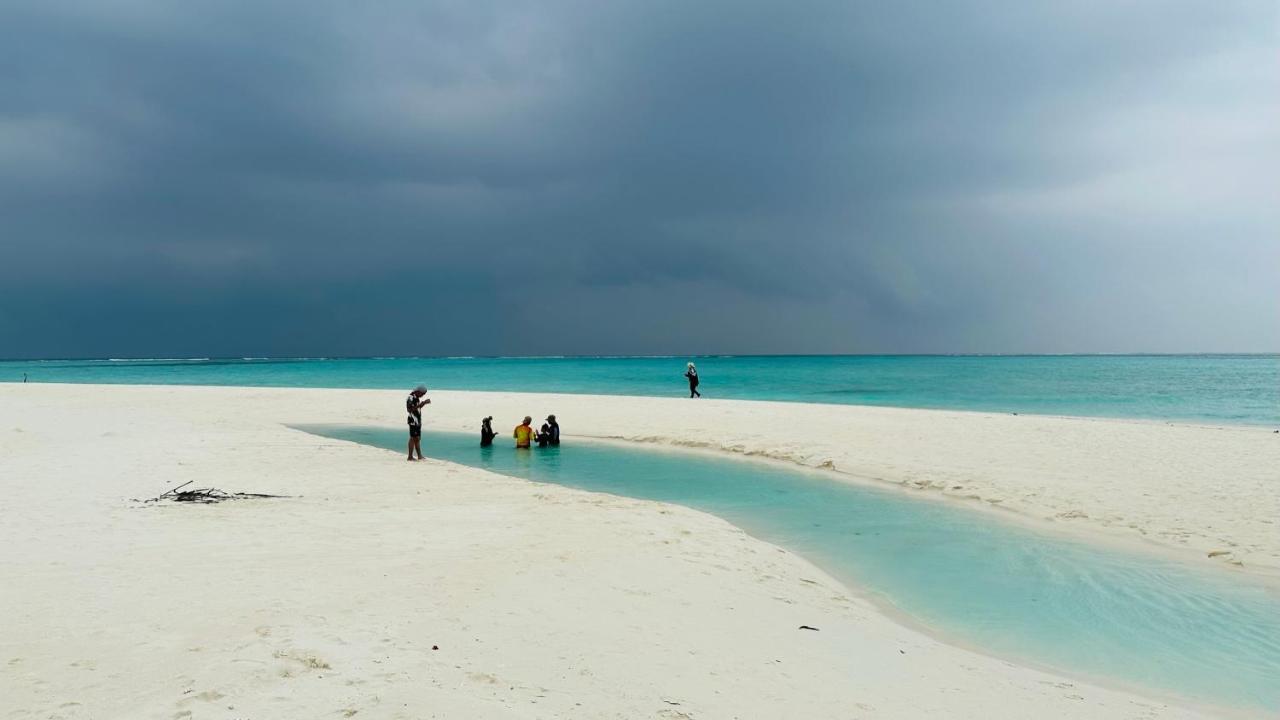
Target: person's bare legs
(411,440)
(417,445)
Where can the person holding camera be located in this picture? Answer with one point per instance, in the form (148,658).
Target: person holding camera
(413,406)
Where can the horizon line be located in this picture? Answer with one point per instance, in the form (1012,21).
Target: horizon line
(662,356)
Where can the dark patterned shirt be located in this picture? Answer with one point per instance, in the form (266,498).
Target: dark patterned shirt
(414,407)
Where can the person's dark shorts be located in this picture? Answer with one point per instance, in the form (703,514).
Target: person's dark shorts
(415,431)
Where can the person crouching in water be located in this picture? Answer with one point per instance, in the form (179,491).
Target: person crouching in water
(692,374)
(551,429)
(524,434)
(486,432)
(413,406)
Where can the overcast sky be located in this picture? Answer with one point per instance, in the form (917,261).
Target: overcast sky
(337,178)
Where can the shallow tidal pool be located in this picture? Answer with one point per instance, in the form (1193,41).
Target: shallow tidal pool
(1129,617)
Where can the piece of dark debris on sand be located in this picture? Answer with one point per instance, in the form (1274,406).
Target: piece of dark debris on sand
(205,495)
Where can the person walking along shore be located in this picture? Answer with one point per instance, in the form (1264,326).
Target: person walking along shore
(692,374)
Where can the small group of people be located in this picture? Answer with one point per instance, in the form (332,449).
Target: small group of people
(546,436)
(524,434)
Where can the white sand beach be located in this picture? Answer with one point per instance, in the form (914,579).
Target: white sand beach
(386,589)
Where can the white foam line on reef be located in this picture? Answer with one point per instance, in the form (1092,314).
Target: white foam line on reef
(139,360)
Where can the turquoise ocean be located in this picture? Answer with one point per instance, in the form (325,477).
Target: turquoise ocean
(1235,389)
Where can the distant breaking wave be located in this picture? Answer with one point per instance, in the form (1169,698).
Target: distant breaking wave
(200,359)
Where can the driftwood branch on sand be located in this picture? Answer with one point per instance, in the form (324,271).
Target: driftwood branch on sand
(205,495)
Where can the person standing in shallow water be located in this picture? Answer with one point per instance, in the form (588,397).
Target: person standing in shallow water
(413,406)
(486,432)
(524,433)
(692,374)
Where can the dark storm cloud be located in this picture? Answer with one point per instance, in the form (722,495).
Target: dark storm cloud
(336,178)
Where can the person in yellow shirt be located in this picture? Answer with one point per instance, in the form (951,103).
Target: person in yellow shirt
(524,433)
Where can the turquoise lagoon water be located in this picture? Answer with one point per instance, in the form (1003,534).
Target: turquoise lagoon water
(1241,389)
(1207,634)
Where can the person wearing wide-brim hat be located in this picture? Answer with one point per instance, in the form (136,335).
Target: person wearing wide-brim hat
(413,406)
